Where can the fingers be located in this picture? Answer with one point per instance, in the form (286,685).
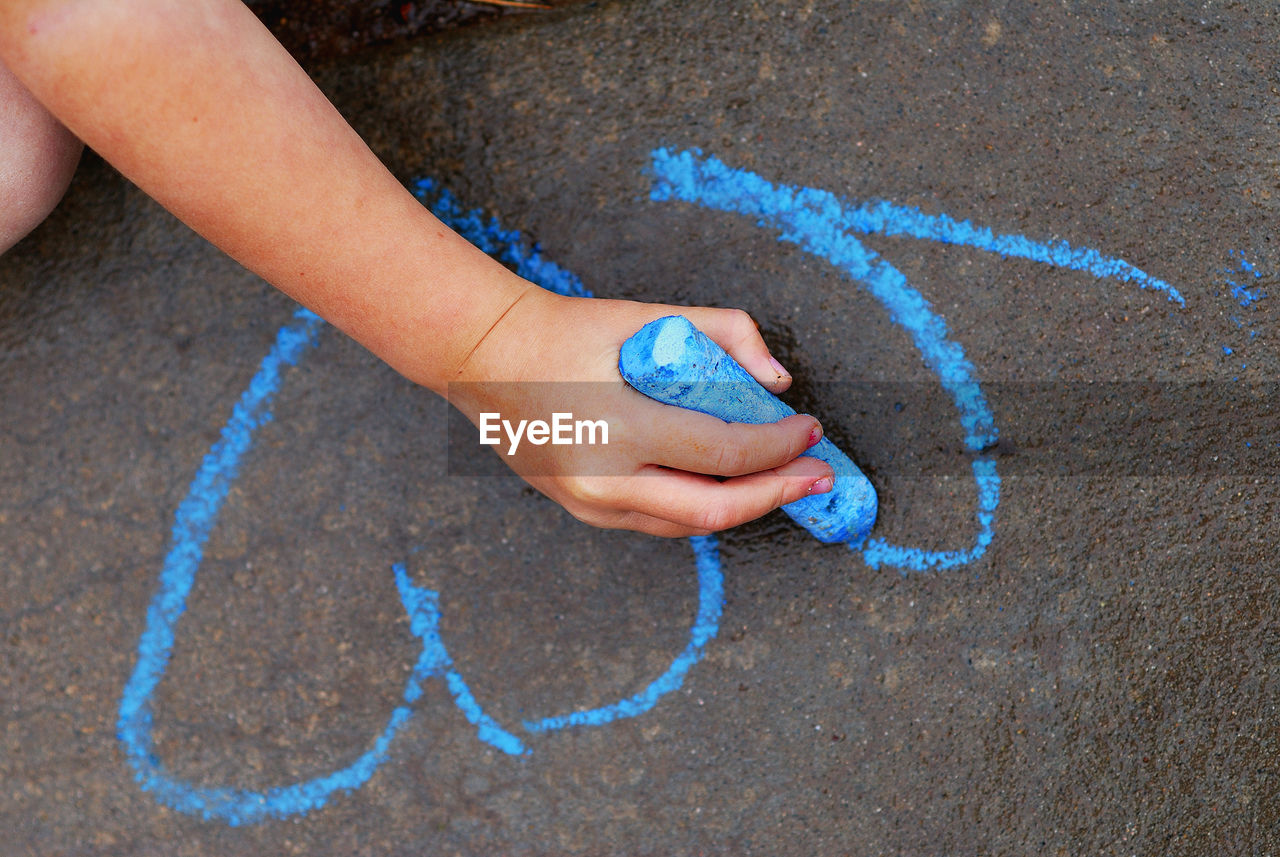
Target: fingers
(664,472)
(698,443)
(707,505)
(675,503)
(735,332)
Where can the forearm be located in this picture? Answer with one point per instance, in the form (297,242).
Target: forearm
(195,102)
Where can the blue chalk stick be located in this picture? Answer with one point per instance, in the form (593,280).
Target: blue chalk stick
(673,362)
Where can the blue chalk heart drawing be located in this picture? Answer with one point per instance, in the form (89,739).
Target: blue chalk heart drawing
(819,223)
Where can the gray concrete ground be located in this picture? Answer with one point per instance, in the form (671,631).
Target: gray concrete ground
(1101,681)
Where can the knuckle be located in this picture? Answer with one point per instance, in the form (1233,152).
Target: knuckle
(789,490)
(742,324)
(590,493)
(731,459)
(713,518)
(797,439)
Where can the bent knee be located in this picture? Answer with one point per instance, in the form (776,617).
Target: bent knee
(38,156)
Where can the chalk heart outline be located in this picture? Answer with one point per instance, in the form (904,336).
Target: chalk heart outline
(814,219)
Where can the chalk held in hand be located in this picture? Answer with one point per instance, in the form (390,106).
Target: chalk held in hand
(673,362)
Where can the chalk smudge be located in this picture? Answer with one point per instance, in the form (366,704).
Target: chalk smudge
(1244,295)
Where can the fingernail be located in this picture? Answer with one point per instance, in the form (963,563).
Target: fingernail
(777,367)
(815,435)
(822,486)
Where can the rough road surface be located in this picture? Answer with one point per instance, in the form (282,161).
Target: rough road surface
(1100,678)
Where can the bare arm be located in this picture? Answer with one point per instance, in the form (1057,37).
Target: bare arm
(197,103)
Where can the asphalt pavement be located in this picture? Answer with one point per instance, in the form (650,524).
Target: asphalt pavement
(1021,260)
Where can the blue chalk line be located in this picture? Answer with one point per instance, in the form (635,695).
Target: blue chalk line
(885,218)
(710,602)
(197,515)
(820,224)
(823,224)
(815,220)
(1244,295)
(511,247)
(505,245)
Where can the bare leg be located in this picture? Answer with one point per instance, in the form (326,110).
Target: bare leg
(37,159)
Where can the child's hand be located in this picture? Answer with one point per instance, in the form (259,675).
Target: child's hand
(658,472)
(286,187)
